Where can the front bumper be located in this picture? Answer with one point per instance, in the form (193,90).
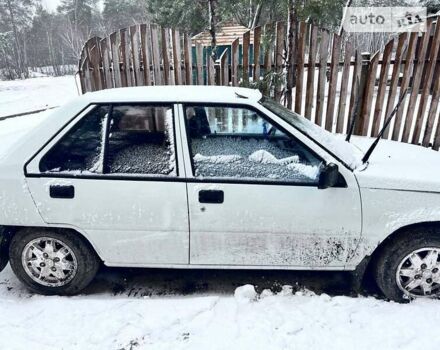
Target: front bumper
(4,248)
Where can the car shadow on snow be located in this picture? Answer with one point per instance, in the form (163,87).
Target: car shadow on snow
(139,283)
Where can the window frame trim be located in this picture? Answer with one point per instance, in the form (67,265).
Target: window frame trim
(245,181)
(123,176)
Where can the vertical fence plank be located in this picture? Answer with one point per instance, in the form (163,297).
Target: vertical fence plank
(437,138)
(257,42)
(268,49)
(355,87)
(210,69)
(125,54)
(310,89)
(86,69)
(136,55)
(323,57)
(279,56)
(127,58)
(246,45)
(122,63)
(395,79)
(383,79)
(146,50)
(224,68)
(367,99)
(101,64)
(156,55)
(234,62)
(165,33)
(177,59)
(106,59)
(344,87)
(188,59)
(114,41)
(103,59)
(427,84)
(300,52)
(95,61)
(417,78)
(268,39)
(199,60)
(81,68)
(406,77)
(334,68)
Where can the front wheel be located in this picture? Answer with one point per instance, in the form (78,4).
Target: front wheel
(409,266)
(52,262)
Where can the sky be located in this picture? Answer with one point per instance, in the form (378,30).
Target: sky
(51,5)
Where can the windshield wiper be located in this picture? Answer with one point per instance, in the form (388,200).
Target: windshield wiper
(385,125)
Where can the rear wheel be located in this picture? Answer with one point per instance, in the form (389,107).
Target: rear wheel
(409,266)
(52,262)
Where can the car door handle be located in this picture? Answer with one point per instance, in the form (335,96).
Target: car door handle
(211,196)
(62,191)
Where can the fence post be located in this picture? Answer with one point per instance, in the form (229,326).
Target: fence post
(359,117)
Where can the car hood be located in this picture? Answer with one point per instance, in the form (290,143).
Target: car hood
(399,166)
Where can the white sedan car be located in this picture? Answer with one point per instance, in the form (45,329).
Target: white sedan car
(212,177)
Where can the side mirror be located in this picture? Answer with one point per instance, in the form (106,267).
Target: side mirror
(329,176)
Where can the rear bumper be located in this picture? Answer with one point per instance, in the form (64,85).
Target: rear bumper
(4,248)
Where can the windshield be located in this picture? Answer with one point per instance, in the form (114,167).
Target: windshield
(336,145)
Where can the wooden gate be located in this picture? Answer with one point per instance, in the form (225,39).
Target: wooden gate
(329,73)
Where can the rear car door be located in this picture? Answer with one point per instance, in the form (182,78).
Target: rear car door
(254,198)
(114,175)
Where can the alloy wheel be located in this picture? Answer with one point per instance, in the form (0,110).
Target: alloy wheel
(49,261)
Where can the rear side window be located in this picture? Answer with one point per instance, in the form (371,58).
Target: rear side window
(119,139)
(80,150)
(141,140)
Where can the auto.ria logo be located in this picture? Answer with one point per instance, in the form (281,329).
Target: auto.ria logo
(385,19)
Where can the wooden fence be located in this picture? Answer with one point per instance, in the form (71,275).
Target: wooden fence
(329,73)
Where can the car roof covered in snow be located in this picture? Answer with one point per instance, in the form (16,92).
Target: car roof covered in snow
(173,93)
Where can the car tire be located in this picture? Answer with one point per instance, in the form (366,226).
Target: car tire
(412,257)
(52,262)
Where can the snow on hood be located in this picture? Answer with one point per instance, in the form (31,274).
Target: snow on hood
(397,165)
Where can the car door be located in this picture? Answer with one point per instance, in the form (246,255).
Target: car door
(114,176)
(253,194)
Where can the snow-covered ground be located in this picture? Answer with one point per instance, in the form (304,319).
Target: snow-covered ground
(32,94)
(164,309)
(152,314)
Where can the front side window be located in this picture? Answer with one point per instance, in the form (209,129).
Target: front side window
(237,142)
(119,139)
(80,150)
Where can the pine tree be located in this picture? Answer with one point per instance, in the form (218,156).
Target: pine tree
(187,15)
(15,16)
(79,12)
(119,14)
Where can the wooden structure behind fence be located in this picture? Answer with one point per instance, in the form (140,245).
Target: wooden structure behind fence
(329,74)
